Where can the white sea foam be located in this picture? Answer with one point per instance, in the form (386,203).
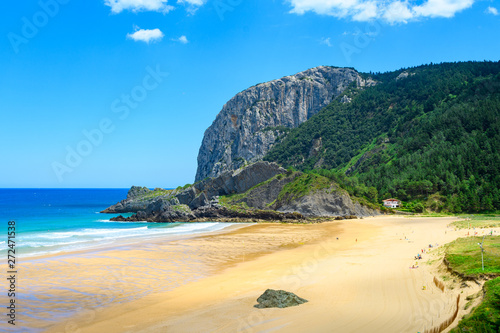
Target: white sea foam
(86,232)
(58,241)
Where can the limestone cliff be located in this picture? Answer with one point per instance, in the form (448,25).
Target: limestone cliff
(253,120)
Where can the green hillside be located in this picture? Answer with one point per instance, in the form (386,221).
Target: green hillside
(431,137)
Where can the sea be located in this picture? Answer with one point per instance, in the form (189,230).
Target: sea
(49,221)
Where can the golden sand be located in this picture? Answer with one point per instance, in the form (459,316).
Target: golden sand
(361,282)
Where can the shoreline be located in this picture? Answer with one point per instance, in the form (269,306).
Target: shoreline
(129,241)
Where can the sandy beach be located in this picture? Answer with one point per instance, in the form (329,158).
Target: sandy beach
(360,282)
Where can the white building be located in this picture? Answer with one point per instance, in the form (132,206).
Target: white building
(392,203)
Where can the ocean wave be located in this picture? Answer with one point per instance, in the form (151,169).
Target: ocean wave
(191,227)
(84,232)
(90,237)
(45,244)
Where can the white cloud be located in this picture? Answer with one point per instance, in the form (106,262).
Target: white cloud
(182,39)
(326,41)
(442,8)
(192,2)
(118,6)
(392,11)
(365,11)
(492,10)
(398,12)
(192,5)
(146,36)
(338,8)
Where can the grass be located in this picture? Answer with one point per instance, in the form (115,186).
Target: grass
(233,198)
(365,202)
(299,187)
(434,214)
(182,208)
(478,221)
(229,202)
(183,187)
(486,317)
(154,194)
(303,185)
(464,255)
(362,151)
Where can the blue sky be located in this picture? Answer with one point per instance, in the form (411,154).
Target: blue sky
(67,67)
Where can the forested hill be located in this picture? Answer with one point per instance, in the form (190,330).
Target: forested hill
(429,135)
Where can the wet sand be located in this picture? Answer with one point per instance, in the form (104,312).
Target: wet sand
(361,282)
(56,288)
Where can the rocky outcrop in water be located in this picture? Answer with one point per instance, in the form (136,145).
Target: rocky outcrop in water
(257,192)
(199,194)
(133,203)
(201,200)
(212,213)
(255,119)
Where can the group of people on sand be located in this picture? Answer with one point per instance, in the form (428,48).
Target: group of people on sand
(419,255)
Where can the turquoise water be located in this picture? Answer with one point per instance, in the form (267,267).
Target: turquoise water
(53,220)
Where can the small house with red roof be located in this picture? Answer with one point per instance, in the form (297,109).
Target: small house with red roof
(392,203)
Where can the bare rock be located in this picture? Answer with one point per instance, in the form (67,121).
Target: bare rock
(252,121)
(278,299)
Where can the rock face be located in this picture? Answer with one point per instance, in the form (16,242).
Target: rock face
(200,201)
(260,194)
(326,203)
(253,120)
(263,196)
(320,203)
(239,181)
(137,191)
(199,194)
(132,204)
(278,299)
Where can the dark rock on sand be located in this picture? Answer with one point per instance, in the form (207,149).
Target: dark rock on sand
(278,299)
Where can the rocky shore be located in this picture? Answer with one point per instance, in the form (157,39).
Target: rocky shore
(257,192)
